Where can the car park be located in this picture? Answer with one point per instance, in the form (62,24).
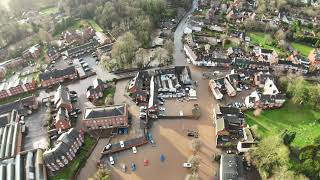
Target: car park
(111,160)
(121,144)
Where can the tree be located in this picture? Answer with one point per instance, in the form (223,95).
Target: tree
(280,35)
(285,174)
(196,145)
(101,174)
(270,155)
(297,89)
(123,51)
(195,162)
(192,177)
(314,96)
(142,30)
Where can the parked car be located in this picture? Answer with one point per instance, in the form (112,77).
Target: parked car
(86,69)
(85,65)
(134,150)
(187,165)
(73,92)
(162,108)
(111,160)
(121,144)
(77,110)
(108,146)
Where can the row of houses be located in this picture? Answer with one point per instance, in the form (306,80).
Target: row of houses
(17,86)
(57,76)
(64,150)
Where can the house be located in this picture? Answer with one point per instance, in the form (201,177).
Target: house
(222,86)
(25,165)
(228,122)
(106,117)
(270,88)
(252,100)
(190,54)
(62,121)
(139,86)
(289,66)
(231,167)
(250,64)
(102,38)
(62,98)
(52,54)
(17,86)
(33,52)
(268,55)
(96,91)
(261,77)
(24,106)
(64,150)
(315,58)
(215,86)
(56,76)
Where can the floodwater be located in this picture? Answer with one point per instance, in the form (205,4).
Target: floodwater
(170,135)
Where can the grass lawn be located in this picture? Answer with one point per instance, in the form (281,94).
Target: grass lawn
(49,11)
(95,25)
(260,39)
(303,49)
(300,119)
(80,159)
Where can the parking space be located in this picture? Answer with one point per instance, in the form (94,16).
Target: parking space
(37,136)
(177,107)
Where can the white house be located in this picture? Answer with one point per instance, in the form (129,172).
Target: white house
(252,99)
(270,88)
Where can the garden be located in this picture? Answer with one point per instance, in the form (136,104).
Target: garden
(292,117)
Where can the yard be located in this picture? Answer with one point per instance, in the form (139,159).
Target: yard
(302,120)
(78,162)
(303,49)
(261,40)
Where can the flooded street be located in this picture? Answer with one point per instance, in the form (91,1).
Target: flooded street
(170,135)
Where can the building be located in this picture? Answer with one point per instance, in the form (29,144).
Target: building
(11,137)
(17,86)
(33,52)
(260,78)
(221,86)
(191,55)
(231,167)
(52,54)
(56,76)
(270,88)
(64,150)
(139,87)
(62,121)
(62,99)
(24,106)
(228,121)
(107,117)
(289,66)
(96,91)
(25,165)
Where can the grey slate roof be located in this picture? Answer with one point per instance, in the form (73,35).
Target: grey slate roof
(57,73)
(102,112)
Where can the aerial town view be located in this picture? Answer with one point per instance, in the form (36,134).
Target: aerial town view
(160,90)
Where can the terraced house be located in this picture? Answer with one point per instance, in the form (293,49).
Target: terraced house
(64,150)
(57,76)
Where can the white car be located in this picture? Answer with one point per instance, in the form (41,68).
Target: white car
(108,146)
(187,165)
(111,160)
(134,150)
(121,144)
(162,108)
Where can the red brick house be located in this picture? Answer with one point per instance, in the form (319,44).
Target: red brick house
(17,86)
(52,54)
(32,52)
(106,117)
(62,121)
(57,76)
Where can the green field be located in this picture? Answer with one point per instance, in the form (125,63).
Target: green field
(80,159)
(303,49)
(300,119)
(49,11)
(260,39)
